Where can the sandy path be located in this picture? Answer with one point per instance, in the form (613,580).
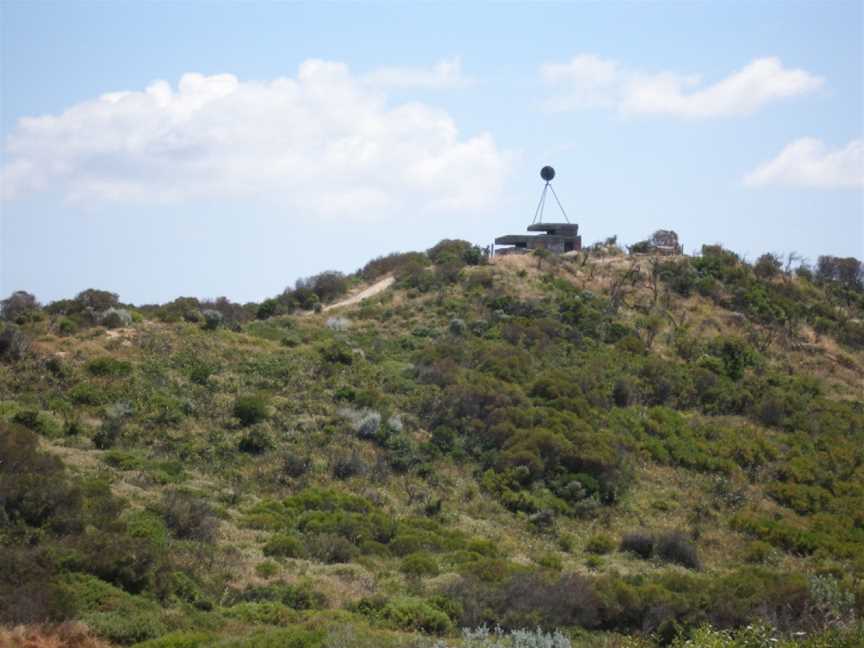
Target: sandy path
(371,291)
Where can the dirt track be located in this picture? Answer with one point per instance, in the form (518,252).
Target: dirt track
(371,291)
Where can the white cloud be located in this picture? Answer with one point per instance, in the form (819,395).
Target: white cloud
(444,74)
(588,81)
(324,143)
(807,162)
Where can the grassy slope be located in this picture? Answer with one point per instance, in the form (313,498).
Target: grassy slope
(179,431)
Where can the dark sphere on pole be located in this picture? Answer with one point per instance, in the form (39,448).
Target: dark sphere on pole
(547,173)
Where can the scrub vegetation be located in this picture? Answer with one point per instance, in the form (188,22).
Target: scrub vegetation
(597,449)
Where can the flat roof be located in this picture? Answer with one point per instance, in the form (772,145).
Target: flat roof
(512,239)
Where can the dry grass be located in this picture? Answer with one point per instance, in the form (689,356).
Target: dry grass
(64,635)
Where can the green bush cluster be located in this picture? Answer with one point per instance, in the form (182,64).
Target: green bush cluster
(330,526)
(662,603)
(52,526)
(406,613)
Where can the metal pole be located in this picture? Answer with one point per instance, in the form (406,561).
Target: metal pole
(559,203)
(540,205)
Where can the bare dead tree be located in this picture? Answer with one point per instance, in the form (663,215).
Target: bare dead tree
(615,292)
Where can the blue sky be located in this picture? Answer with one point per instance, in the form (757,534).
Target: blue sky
(216,148)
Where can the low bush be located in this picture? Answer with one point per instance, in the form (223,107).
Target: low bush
(13,344)
(392,263)
(639,543)
(758,552)
(600,543)
(294,465)
(66,326)
(251,409)
(331,548)
(296,597)
(336,352)
(284,545)
(263,613)
(347,465)
(406,613)
(34,488)
(676,548)
(256,441)
(367,424)
(180,639)
(266,569)
(326,286)
(87,393)
(295,637)
(126,627)
(419,564)
(188,517)
(108,366)
(115,318)
(213,319)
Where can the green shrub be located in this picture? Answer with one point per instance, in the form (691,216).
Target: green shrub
(550,561)
(126,627)
(566,542)
(331,548)
(278,638)
(180,639)
(347,465)
(419,564)
(489,570)
(108,366)
(37,421)
(392,263)
(186,589)
(297,597)
(251,409)
(13,343)
(336,352)
(294,465)
(108,433)
(188,517)
(34,488)
(413,614)
(639,543)
(123,460)
(676,548)
(213,319)
(600,543)
(758,552)
(66,326)
(115,318)
(200,372)
(166,409)
(267,569)
(148,525)
(268,613)
(256,441)
(284,545)
(735,354)
(88,394)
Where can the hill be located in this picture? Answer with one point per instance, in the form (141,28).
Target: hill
(632,450)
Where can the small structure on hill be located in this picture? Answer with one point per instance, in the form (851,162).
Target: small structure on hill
(557,238)
(662,242)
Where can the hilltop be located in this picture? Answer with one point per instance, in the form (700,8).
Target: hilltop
(631,449)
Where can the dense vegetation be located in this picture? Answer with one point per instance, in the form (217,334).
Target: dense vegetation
(595,449)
